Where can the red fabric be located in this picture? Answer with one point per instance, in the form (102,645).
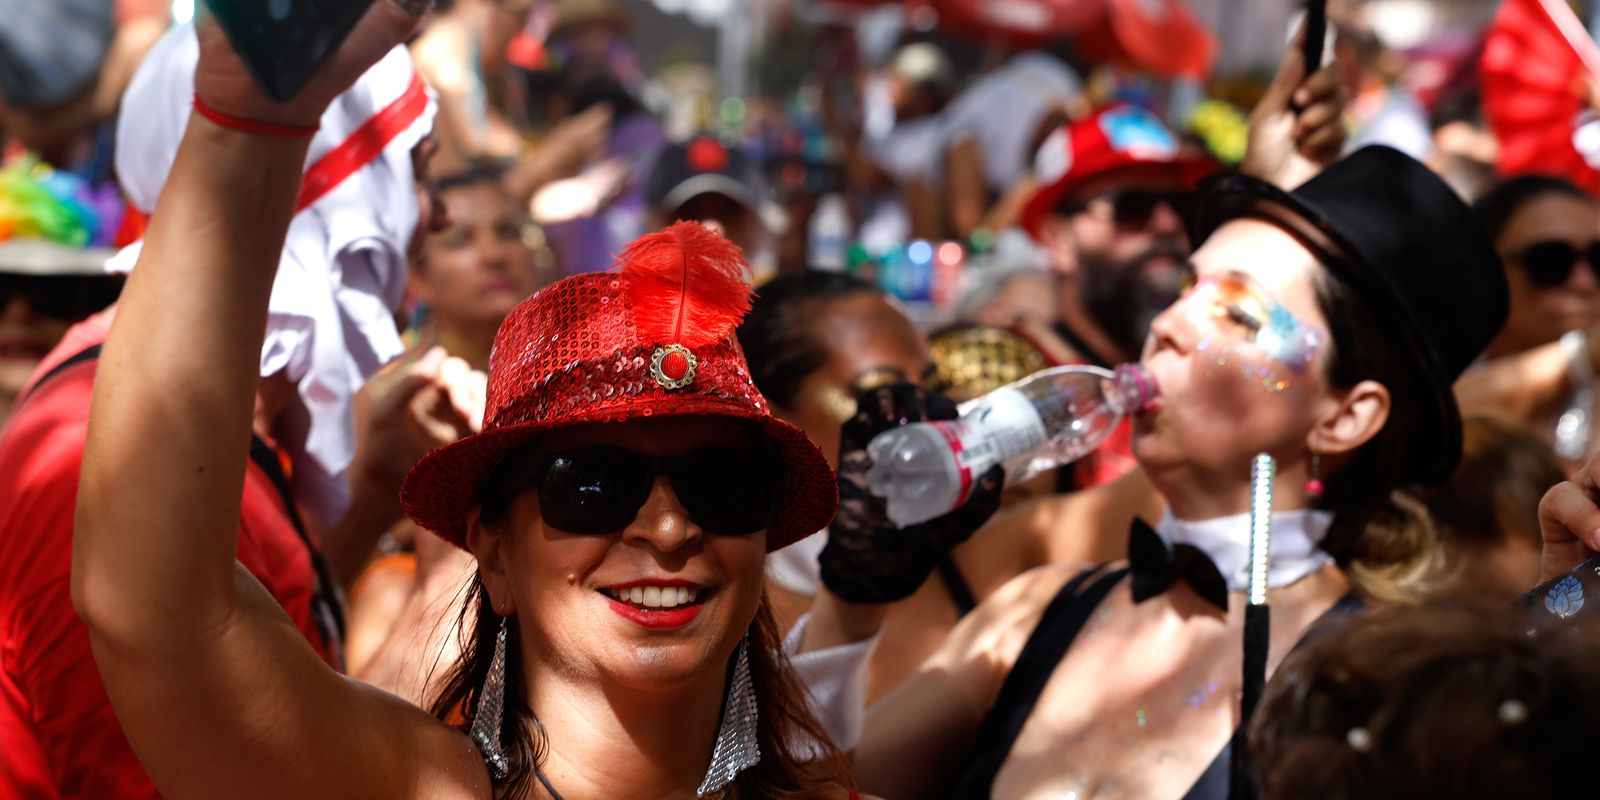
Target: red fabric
(591,348)
(58,735)
(1118,138)
(363,145)
(1534,70)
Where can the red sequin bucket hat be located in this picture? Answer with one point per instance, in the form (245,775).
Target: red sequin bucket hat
(655,338)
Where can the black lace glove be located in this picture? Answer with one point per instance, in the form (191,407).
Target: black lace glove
(867,559)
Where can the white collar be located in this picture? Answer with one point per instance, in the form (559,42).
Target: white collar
(1294,546)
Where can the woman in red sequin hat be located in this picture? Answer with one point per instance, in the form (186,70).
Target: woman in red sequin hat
(621,499)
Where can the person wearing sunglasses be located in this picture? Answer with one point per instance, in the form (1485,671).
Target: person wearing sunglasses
(1540,370)
(59,731)
(1113,189)
(1326,327)
(620,499)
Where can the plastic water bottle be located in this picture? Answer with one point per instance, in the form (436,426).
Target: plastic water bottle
(828,240)
(1047,419)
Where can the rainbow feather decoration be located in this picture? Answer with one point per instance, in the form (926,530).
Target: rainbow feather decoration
(38,202)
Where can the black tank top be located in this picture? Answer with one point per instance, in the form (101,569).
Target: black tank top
(1058,626)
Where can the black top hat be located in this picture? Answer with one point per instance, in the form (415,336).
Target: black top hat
(1397,234)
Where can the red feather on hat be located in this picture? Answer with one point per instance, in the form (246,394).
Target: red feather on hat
(686,285)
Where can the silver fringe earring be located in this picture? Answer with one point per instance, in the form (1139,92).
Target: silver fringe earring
(737,747)
(491,709)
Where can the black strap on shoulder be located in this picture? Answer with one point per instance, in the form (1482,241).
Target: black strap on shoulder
(327,602)
(956,584)
(327,605)
(1046,646)
(89,353)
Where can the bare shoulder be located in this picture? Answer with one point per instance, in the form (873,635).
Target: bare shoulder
(995,631)
(1092,525)
(443,762)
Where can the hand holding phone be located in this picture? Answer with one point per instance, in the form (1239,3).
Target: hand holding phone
(1296,128)
(1316,26)
(283,61)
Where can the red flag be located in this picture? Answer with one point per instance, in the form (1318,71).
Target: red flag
(1537,63)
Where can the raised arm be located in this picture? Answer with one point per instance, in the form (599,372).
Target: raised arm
(217,691)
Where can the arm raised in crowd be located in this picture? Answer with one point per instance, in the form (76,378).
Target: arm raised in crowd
(1297,128)
(219,694)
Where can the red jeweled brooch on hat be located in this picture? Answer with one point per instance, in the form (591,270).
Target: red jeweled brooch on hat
(655,338)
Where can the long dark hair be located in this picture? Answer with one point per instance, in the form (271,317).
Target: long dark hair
(796,754)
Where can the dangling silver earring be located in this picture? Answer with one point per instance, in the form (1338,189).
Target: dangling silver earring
(737,747)
(491,709)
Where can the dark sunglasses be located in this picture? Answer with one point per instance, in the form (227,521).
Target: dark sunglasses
(726,490)
(1550,264)
(1131,209)
(65,297)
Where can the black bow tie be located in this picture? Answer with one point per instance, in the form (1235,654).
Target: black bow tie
(1155,565)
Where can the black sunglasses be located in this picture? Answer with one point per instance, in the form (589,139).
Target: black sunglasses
(1550,264)
(726,490)
(1131,209)
(65,297)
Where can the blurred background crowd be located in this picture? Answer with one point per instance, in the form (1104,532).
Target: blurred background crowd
(954,192)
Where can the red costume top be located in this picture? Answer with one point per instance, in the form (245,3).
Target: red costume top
(57,729)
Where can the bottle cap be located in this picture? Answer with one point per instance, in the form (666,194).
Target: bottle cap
(1142,385)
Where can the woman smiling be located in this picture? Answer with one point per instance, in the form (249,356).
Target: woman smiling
(621,499)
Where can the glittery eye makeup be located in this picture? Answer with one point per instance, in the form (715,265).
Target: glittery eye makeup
(1239,305)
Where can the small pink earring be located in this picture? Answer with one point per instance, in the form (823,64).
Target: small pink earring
(1314,482)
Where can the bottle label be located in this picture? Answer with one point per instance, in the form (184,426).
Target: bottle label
(998,427)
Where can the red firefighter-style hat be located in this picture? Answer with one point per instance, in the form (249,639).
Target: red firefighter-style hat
(652,338)
(1114,140)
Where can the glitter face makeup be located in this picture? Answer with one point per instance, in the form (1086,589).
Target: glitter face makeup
(1240,311)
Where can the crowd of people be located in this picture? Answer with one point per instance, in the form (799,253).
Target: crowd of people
(493,418)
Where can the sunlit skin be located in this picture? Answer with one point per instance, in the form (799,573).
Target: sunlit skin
(552,579)
(1213,418)
(209,682)
(583,661)
(1165,672)
(868,337)
(1539,315)
(864,334)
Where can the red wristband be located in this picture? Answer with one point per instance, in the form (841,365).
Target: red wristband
(252,126)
